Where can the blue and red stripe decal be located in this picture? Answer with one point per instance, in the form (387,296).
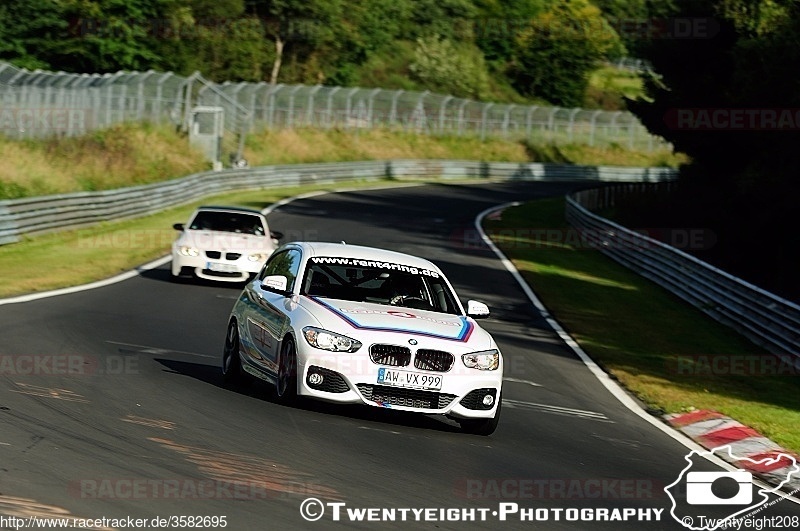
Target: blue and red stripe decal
(463,334)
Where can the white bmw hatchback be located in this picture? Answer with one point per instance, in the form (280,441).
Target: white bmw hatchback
(223,243)
(360,325)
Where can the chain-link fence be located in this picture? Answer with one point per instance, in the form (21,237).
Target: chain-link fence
(38,104)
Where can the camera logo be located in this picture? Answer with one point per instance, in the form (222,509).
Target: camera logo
(708,501)
(719,488)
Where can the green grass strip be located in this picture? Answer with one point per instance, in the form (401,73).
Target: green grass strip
(70,258)
(669,354)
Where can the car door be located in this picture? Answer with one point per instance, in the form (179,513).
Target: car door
(267,319)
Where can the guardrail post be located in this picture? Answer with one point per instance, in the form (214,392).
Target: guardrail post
(349,106)
(271,112)
(310,105)
(461,116)
(571,126)
(393,111)
(484,117)
(290,112)
(507,119)
(592,126)
(442,109)
(529,120)
(371,106)
(551,122)
(331,120)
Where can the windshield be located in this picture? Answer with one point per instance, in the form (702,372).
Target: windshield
(378,282)
(238,222)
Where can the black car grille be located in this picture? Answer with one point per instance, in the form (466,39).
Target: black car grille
(393,355)
(216,255)
(399,396)
(224,274)
(332,381)
(433,360)
(474,399)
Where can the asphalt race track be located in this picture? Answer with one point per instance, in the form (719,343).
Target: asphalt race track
(112,404)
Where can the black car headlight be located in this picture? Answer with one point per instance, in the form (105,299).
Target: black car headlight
(485,360)
(325,340)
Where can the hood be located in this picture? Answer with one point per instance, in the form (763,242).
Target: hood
(340,316)
(206,240)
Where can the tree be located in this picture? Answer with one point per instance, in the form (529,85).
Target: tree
(31,31)
(442,66)
(108,35)
(499,23)
(297,27)
(557,51)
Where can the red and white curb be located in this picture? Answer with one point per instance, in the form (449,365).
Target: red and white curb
(764,457)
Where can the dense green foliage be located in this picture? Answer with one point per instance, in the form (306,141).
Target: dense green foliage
(501,50)
(709,55)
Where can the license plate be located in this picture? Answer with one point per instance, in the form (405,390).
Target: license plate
(222,268)
(416,380)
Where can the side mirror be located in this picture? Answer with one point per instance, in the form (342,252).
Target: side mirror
(477,310)
(178,226)
(276,283)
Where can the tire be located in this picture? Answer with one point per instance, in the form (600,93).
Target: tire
(232,373)
(482,426)
(286,384)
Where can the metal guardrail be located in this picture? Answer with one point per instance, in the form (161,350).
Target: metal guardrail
(763,317)
(36,215)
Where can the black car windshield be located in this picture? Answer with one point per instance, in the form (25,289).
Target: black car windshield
(378,282)
(220,221)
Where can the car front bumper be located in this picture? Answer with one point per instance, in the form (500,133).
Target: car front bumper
(353,379)
(219,269)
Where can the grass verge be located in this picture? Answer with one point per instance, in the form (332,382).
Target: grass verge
(132,154)
(670,355)
(70,258)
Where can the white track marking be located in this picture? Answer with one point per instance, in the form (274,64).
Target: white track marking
(85,287)
(166,259)
(557,410)
(618,392)
(527,382)
(145,349)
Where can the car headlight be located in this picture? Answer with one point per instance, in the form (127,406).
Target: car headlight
(185,250)
(257,257)
(486,360)
(326,340)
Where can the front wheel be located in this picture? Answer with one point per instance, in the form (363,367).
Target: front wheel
(482,426)
(286,385)
(232,372)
